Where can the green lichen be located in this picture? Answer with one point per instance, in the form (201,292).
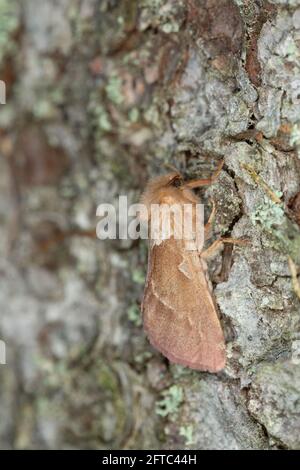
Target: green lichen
(138,276)
(269,214)
(103,120)
(292,50)
(142,357)
(179,372)
(134,315)
(188,433)
(44,108)
(81,25)
(166,15)
(170,28)
(171,401)
(152,115)
(9,21)
(133,115)
(114,90)
(295,136)
(284,235)
(99,116)
(107,379)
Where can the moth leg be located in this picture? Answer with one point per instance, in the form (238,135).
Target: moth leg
(215,248)
(226,264)
(207,227)
(205,181)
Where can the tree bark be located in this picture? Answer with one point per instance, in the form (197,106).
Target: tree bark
(101,96)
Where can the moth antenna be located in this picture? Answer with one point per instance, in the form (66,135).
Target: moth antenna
(206,181)
(169,166)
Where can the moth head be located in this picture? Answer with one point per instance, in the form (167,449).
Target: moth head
(167,189)
(175,180)
(165,182)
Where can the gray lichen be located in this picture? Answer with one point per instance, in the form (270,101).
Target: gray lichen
(274,401)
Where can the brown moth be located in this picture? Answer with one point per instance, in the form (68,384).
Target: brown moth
(179,313)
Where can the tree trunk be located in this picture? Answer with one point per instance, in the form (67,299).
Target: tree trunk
(101,96)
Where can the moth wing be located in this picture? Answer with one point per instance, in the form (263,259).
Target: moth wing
(179,315)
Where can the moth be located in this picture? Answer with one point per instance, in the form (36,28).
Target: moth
(180,315)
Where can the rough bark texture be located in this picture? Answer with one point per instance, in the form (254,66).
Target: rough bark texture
(101,95)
